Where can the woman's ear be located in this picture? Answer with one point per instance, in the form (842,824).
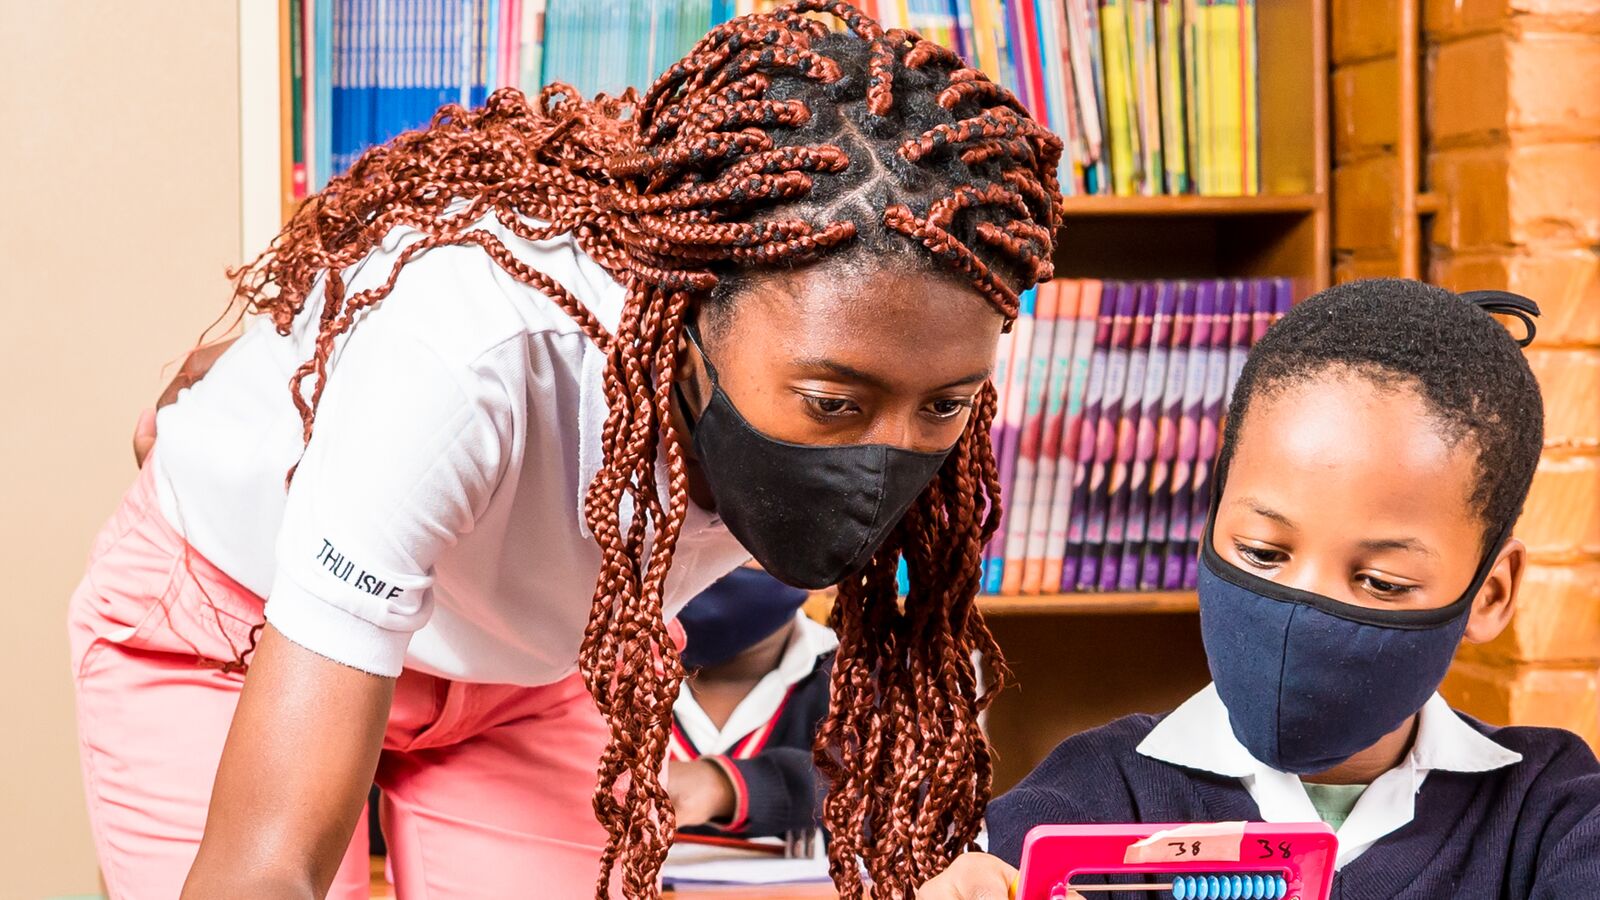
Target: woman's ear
(1497,599)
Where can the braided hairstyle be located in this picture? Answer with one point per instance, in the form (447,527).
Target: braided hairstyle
(777,142)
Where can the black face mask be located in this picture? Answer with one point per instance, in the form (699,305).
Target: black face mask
(811,515)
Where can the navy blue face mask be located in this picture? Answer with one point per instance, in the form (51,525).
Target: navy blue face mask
(740,610)
(1309,681)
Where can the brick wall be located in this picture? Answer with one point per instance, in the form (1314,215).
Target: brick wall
(1513,129)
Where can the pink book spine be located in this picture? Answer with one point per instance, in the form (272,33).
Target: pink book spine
(1050,428)
(1019,519)
(1079,383)
(1144,443)
(1224,332)
(1186,471)
(1009,431)
(1120,479)
(1164,472)
(1105,441)
(1087,434)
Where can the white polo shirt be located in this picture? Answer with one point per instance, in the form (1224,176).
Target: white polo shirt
(435,520)
(1197,735)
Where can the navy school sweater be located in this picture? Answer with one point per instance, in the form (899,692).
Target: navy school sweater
(779,787)
(1530,831)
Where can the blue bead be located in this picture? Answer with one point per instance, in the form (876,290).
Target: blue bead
(1180,888)
(1215,885)
(1258,886)
(1282,888)
(1236,885)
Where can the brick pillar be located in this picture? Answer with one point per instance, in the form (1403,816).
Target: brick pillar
(1513,128)
(1366,170)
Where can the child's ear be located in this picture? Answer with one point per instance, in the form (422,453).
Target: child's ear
(1497,599)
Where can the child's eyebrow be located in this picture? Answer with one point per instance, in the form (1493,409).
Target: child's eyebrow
(1399,544)
(1265,511)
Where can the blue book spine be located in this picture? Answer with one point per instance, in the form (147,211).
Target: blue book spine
(323,66)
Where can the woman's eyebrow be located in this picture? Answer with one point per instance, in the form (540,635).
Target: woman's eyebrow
(851,373)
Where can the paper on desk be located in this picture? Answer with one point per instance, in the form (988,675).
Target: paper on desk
(701,864)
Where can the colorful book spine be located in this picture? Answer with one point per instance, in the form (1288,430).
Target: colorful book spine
(1165,472)
(1088,436)
(1105,446)
(1186,464)
(1136,532)
(1051,426)
(1212,408)
(1118,481)
(1019,514)
(1147,104)
(1006,435)
(1119,96)
(1250,99)
(1081,384)
(1242,302)
(1174,139)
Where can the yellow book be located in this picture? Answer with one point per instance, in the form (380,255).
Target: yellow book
(1250,101)
(1228,90)
(1119,97)
(1204,97)
(984,23)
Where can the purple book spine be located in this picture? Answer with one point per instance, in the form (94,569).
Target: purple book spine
(1088,428)
(1144,445)
(1164,473)
(1243,305)
(1174,554)
(1105,444)
(1120,488)
(1262,313)
(1211,411)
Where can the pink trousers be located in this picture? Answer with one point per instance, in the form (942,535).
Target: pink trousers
(486,788)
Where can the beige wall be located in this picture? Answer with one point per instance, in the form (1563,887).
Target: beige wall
(119,209)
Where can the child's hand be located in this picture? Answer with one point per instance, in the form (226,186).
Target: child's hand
(973,876)
(700,792)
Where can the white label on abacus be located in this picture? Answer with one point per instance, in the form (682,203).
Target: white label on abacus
(1207,842)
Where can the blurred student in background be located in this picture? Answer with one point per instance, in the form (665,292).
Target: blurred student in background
(747,714)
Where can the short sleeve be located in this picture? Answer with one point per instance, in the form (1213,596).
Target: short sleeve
(406,453)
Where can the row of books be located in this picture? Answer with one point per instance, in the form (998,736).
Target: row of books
(355,73)
(1151,96)
(1111,400)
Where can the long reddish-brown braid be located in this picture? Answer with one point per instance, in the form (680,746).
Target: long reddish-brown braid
(676,194)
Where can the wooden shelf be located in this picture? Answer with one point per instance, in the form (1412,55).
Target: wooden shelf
(1089,604)
(1190,205)
(1085,604)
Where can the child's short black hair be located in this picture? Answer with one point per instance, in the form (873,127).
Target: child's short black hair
(1463,363)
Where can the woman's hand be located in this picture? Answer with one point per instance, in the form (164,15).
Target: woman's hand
(195,366)
(295,774)
(700,792)
(973,876)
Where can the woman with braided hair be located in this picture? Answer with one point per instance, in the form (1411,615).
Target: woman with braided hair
(554,367)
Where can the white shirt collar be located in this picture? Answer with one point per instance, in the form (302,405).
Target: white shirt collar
(1197,736)
(799,660)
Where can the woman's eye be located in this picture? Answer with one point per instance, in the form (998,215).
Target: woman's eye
(949,407)
(829,407)
(1378,587)
(1260,557)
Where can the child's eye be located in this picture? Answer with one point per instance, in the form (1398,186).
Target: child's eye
(1260,557)
(828,408)
(949,408)
(1384,589)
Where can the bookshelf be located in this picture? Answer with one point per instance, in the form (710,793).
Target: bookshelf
(1080,659)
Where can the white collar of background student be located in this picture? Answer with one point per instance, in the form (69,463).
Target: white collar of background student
(1197,736)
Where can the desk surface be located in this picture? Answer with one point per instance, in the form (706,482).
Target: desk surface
(770,892)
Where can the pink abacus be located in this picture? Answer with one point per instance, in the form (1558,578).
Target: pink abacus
(1203,861)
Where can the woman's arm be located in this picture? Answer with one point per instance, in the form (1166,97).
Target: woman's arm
(295,771)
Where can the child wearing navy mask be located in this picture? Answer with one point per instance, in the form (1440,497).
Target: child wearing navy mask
(747,714)
(1378,451)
